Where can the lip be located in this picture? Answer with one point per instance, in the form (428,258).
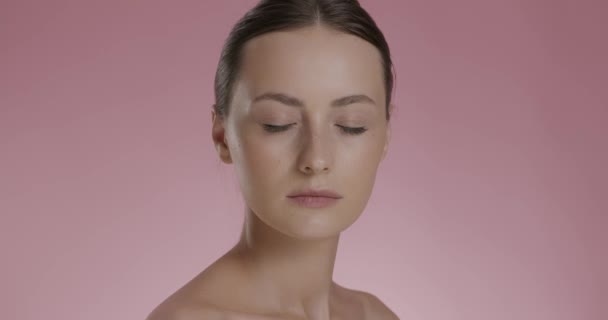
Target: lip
(325,193)
(314,198)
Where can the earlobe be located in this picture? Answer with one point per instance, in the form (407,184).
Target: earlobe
(218,134)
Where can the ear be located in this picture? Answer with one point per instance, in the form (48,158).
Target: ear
(388,133)
(388,138)
(218,133)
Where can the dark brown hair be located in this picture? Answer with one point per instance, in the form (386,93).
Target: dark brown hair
(273,15)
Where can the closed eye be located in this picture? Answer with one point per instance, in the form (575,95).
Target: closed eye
(352,130)
(345,129)
(276,128)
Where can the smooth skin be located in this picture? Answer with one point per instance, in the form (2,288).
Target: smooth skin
(308,111)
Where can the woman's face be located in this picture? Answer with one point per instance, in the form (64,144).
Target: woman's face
(308,113)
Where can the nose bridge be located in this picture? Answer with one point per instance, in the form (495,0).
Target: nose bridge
(316,154)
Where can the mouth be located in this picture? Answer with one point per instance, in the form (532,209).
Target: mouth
(314,198)
(313,202)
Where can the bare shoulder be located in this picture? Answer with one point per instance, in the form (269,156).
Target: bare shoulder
(168,311)
(376,309)
(194,300)
(186,304)
(370,305)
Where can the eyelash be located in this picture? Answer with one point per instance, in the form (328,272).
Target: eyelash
(348,130)
(353,130)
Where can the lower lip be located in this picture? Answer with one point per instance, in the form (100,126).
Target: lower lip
(314,202)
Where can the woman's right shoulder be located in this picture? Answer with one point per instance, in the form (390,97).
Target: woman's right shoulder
(200,297)
(186,312)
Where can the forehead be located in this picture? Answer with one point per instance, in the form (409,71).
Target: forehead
(312,63)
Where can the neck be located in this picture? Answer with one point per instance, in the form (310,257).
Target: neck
(296,272)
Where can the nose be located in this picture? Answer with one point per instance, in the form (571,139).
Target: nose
(316,155)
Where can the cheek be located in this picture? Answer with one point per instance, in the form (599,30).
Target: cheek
(262,162)
(361,173)
(367,149)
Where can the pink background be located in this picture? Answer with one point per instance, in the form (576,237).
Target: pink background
(490,205)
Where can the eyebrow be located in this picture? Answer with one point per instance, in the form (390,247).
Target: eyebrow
(295,102)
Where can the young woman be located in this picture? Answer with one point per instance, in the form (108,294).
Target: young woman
(303,96)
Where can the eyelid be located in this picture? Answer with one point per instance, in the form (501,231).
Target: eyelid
(272,128)
(352,130)
(276,128)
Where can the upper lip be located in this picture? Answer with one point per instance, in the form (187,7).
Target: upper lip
(316,193)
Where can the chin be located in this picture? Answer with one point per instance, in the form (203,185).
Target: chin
(306,224)
(311,234)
